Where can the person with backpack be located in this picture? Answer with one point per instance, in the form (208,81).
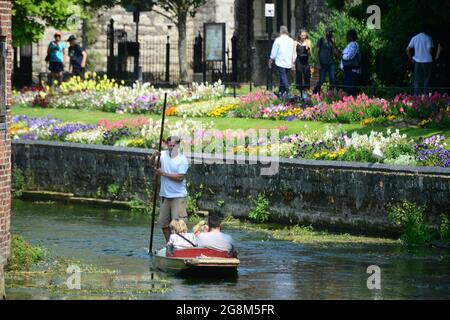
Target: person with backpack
(351,63)
(326,51)
(56,56)
(77,57)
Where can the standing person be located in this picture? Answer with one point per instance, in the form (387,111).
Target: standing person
(56,56)
(351,63)
(302,69)
(282,55)
(422,60)
(326,51)
(77,57)
(173,193)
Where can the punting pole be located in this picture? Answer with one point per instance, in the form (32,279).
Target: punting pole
(155,185)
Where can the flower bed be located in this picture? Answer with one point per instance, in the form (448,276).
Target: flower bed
(101,93)
(204,100)
(391,148)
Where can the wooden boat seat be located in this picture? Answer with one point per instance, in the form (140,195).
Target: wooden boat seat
(198,252)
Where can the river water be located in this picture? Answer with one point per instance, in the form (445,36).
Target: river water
(269,269)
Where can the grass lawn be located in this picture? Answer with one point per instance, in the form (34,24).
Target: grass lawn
(92,117)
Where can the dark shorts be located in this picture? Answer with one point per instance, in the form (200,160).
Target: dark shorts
(77,71)
(56,66)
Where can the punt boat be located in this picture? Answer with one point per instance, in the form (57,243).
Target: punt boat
(196,261)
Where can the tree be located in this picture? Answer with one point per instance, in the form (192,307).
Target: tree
(31,17)
(178,12)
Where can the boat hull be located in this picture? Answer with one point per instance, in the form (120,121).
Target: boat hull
(195,265)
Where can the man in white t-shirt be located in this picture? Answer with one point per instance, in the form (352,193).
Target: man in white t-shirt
(283,55)
(173,169)
(423,61)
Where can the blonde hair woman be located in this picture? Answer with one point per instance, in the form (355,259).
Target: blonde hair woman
(180,238)
(200,227)
(302,52)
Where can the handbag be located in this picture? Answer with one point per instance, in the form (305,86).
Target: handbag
(355,62)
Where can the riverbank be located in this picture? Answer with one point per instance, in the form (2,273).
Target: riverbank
(37,268)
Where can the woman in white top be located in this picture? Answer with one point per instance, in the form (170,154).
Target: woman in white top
(180,238)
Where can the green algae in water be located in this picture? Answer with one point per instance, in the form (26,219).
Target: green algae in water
(96,282)
(304,235)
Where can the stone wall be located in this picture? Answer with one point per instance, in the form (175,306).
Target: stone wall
(5,144)
(347,196)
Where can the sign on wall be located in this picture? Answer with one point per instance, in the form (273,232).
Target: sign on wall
(270,10)
(214,41)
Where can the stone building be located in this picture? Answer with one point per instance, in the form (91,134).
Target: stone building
(153,32)
(245,18)
(5,140)
(251,28)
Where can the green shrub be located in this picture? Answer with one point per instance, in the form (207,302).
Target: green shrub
(114,190)
(23,255)
(412,220)
(191,205)
(444,229)
(260,213)
(359,155)
(18,181)
(396,150)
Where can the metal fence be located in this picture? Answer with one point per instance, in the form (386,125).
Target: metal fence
(160,63)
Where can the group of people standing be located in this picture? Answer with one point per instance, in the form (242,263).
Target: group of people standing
(57,56)
(294,55)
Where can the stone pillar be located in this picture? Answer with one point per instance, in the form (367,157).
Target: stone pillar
(5,140)
(292,23)
(244,16)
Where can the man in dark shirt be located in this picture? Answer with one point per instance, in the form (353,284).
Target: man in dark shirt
(77,57)
(326,51)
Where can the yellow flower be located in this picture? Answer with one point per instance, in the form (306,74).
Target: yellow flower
(367,121)
(423,123)
(392,117)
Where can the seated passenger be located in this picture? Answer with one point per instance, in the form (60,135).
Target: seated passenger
(215,239)
(200,227)
(179,238)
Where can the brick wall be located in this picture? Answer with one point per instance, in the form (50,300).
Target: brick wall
(5,141)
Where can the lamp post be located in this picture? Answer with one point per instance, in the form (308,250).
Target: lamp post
(169,27)
(270,12)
